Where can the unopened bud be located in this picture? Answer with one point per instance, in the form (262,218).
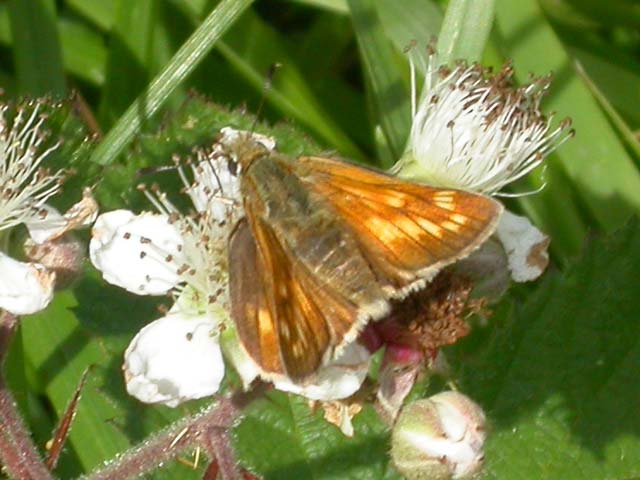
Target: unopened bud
(439,438)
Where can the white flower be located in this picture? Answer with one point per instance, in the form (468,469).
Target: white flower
(477,132)
(139,253)
(168,252)
(440,437)
(173,359)
(25,186)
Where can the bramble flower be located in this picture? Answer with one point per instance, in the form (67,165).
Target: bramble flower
(25,187)
(178,357)
(475,131)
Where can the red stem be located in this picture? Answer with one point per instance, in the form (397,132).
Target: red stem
(187,433)
(18,453)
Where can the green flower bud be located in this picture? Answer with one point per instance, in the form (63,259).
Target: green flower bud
(439,438)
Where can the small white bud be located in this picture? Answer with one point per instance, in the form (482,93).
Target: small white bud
(439,438)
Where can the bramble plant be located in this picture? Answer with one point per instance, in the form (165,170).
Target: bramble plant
(121,124)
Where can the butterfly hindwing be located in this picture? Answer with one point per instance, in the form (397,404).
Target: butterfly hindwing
(286,321)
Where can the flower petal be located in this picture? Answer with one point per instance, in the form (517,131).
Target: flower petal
(339,379)
(49,224)
(140,253)
(488,268)
(24,287)
(243,364)
(174,359)
(46,224)
(525,245)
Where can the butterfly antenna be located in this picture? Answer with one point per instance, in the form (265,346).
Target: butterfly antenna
(268,82)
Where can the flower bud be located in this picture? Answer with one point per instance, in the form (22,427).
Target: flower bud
(439,438)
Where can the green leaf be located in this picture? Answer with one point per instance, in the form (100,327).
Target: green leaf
(83,50)
(281,437)
(384,75)
(410,21)
(604,176)
(557,376)
(465,30)
(100,12)
(180,66)
(131,51)
(37,53)
(253,55)
(336,6)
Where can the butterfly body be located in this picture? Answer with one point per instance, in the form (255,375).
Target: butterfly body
(324,245)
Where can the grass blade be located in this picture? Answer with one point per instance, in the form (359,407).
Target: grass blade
(180,66)
(37,54)
(465,30)
(390,97)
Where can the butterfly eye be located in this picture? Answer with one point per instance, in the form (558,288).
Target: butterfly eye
(233,167)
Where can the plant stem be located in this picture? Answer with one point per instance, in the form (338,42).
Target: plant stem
(207,428)
(18,453)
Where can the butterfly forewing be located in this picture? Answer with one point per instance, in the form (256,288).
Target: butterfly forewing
(406,230)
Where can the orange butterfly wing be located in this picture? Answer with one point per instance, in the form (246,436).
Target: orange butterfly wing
(286,320)
(407,231)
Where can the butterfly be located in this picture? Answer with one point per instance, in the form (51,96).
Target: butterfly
(324,247)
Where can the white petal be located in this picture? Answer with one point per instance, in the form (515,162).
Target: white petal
(526,247)
(42,228)
(49,224)
(339,379)
(141,253)
(488,268)
(24,287)
(174,359)
(239,358)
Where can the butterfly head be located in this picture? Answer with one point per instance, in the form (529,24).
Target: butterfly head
(242,147)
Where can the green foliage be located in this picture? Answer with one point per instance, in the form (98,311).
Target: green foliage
(555,368)
(556,373)
(314,449)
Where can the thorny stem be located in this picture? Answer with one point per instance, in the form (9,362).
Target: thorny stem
(18,453)
(218,446)
(207,429)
